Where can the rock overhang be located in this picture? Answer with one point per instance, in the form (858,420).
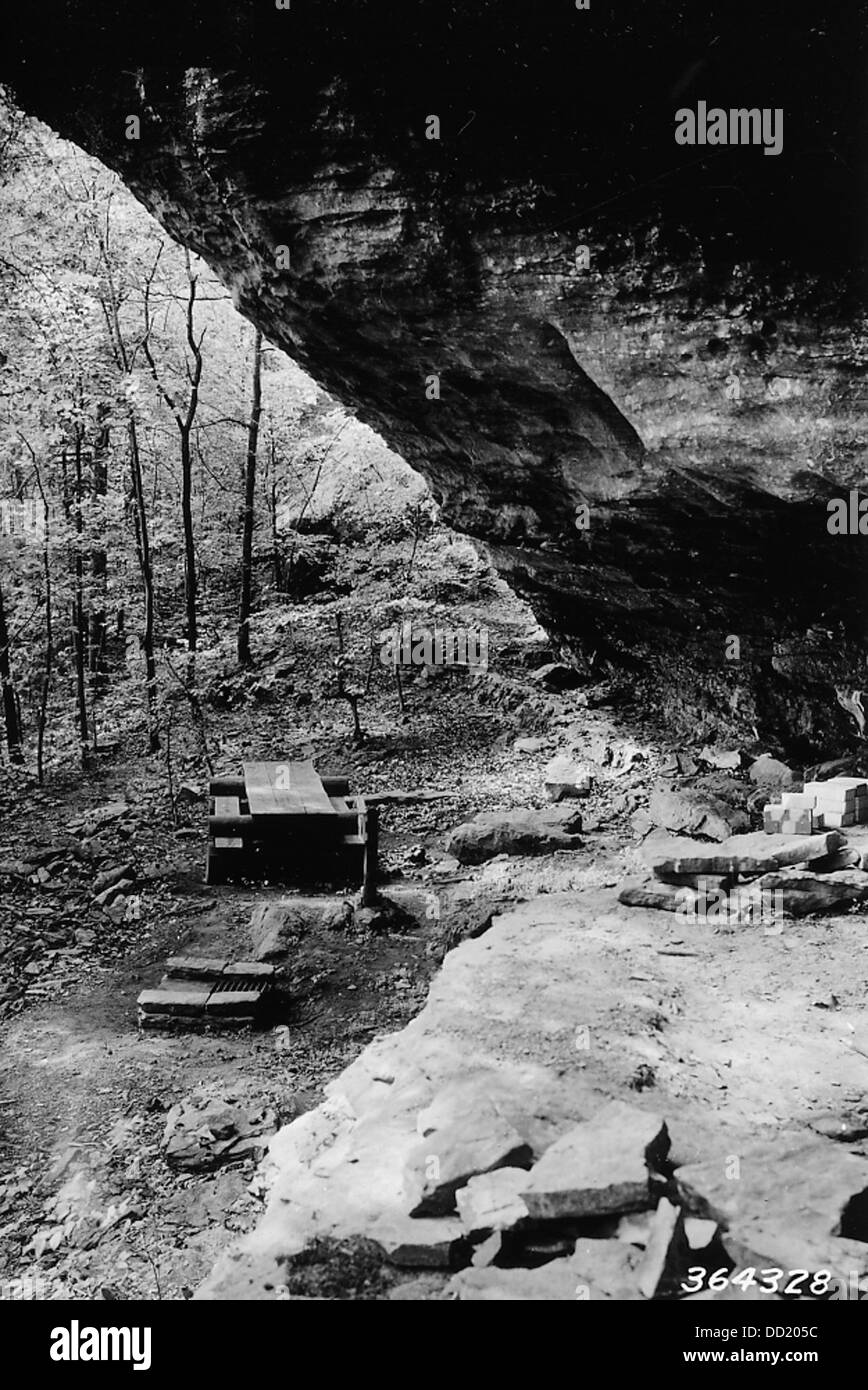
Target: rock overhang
(698,384)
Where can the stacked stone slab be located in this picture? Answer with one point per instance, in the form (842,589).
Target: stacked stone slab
(831,805)
(740,876)
(203,990)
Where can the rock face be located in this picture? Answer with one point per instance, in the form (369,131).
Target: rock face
(423,208)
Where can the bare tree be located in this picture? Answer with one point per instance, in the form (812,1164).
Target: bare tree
(185,419)
(244,656)
(10,704)
(110,300)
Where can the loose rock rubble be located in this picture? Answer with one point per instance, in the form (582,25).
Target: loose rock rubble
(204,1134)
(600,1211)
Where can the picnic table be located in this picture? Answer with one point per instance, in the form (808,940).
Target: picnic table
(281,820)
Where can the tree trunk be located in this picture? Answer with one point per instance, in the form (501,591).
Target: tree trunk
(97,632)
(143,549)
(244,656)
(143,545)
(78,618)
(189,541)
(48,667)
(185,421)
(10,706)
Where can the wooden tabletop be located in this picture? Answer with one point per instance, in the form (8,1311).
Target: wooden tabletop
(286,789)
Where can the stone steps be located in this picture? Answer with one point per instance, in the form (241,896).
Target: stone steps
(206,990)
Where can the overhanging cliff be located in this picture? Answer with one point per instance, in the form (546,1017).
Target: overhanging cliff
(552,304)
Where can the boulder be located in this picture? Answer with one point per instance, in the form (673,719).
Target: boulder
(837,767)
(522,831)
(563,779)
(203,1134)
(556,676)
(695,811)
(600,1167)
(770,773)
(804,892)
(276,927)
(668,897)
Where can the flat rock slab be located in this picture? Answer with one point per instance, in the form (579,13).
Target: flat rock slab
(599,1168)
(746,854)
(174,1002)
(250,970)
(232,1003)
(196,967)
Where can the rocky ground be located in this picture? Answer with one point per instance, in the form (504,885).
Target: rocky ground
(129,1159)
